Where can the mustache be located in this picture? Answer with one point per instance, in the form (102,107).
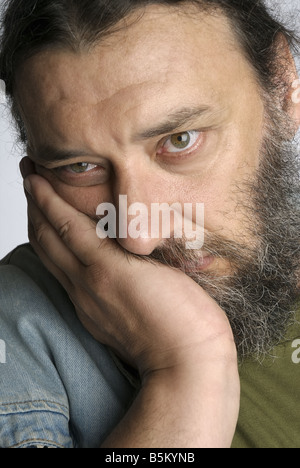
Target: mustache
(172,252)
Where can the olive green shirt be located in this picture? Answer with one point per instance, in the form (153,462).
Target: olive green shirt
(270,393)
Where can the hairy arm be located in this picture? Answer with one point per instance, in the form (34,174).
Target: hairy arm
(194,407)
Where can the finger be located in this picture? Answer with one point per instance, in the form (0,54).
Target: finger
(52,247)
(61,277)
(26,167)
(76,230)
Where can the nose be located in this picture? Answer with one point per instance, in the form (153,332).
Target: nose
(143,214)
(136,190)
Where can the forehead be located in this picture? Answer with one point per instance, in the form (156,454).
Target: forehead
(158,58)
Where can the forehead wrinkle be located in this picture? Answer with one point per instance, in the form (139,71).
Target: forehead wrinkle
(119,103)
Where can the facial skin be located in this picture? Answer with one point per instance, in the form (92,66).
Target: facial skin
(99,105)
(114,109)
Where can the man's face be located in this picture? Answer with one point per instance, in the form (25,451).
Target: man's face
(167,110)
(117,108)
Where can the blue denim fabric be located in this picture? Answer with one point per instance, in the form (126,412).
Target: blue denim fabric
(58,386)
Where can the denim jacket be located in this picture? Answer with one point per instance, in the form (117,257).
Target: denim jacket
(58,386)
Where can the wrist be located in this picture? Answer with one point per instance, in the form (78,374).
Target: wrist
(201,400)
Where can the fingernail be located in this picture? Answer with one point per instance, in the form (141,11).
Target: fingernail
(27,186)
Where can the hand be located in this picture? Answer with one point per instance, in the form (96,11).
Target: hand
(154,317)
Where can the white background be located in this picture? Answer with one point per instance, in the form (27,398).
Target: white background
(13,219)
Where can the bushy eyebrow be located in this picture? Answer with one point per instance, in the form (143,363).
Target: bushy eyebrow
(174,122)
(49,154)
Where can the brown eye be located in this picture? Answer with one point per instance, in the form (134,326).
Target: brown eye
(80,168)
(180,140)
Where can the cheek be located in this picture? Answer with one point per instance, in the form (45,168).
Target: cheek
(84,199)
(224,199)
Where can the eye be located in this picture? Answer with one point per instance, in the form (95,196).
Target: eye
(83,174)
(80,168)
(181,142)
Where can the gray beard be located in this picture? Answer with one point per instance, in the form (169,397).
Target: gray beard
(259,298)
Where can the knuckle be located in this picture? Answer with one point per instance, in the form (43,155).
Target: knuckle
(39,231)
(64,229)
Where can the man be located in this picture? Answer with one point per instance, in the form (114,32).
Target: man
(162,102)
